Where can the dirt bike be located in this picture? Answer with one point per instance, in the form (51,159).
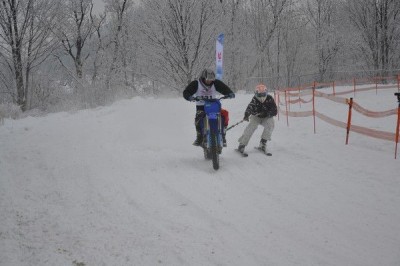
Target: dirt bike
(212,129)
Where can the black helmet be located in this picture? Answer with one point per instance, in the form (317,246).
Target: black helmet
(207,74)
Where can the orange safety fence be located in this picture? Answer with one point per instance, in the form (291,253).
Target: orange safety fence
(362,130)
(331,97)
(358,129)
(304,101)
(297,114)
(365,89)
(368,113)
(331,121)
(305,90)
(280,101)
(299,100)
(378,134)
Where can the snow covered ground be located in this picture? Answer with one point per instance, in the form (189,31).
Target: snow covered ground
(122,185)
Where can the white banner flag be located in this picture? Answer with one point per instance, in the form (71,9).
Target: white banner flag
(219,52)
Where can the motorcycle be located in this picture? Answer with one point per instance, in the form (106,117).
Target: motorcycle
(212,129)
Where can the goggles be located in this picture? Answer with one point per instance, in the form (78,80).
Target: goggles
(261,94)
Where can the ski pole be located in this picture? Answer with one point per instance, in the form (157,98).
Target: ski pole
(235,124)
(238,123)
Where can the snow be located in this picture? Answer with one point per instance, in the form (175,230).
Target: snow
(122,185)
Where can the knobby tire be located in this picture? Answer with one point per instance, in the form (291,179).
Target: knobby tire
(214,151)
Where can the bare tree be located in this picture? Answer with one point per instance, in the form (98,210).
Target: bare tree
(7,82)
(180,36)
(293,39)
(264,19)
(236,42)
(40,42)
(25,39)
(322,18)
(118,9)
(15,17)
(378,23)
(98,22)
(74,29)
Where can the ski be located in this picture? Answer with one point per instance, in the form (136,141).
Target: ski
(244,154)
(266,153)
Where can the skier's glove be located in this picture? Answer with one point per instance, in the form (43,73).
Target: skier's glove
(246,118)
(231,95)
(191,99)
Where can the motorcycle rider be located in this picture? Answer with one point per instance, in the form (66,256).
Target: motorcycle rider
(206,86)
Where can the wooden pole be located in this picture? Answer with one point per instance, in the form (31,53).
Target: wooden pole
(287,111)
(350,103)
(398,82)
(398,124)
(277,102)
(313,103)
(299,97)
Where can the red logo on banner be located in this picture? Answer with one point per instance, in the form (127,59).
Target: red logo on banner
(219,55)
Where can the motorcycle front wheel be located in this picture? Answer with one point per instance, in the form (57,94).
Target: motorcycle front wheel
(214,151)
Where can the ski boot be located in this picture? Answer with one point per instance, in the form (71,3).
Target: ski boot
(241,148)
(263,145)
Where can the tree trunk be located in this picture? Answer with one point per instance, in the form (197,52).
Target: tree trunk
(16,46)
(19,79)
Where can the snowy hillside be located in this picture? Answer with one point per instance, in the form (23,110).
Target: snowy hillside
(122,185)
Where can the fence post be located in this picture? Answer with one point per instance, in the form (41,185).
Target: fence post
(333,87)
(398,124)
(398,82)
(277,102)
(376,86)
(313,104)
(350,103)
(299,97)
(287,111)
(354,87)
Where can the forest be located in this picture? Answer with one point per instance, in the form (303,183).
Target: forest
(60,55)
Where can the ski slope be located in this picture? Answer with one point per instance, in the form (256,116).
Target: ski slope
(122,185)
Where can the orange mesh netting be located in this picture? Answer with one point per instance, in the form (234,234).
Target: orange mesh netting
(368,113)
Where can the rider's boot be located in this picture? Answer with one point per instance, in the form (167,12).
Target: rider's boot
(199,139)
(224,137)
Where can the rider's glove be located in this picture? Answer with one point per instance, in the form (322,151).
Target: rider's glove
(231,95)
(191,98)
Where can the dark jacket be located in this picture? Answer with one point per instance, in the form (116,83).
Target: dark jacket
(193,86)
(266,109)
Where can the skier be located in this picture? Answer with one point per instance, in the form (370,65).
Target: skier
(206,86)
(260,111)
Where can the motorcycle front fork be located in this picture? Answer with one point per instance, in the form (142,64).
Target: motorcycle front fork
(207,132)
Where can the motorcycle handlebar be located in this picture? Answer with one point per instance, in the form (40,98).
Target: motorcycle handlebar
(201,98)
